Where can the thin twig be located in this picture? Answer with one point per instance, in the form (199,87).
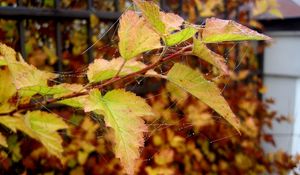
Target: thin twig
(30,106)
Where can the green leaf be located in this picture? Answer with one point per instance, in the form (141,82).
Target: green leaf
(45,125)
(123,111)
(218,30)
(193,82)
(180,36)
(136,36)
(2,61)
(3,140)
(152,13)
(163,23)
(67,89)
(102,69)
(202,51)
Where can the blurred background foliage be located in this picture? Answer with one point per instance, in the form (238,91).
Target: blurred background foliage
(185,137)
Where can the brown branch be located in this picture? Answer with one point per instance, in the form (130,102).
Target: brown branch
(30,106)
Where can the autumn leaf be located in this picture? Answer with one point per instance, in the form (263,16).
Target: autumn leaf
(2,61)
(16,123)
(202,51)
(163,23)
(206,91)
(172,22)
(41,126)
(7,54)
(3,140)
(136,36)
(102,69)
(152,13)
(44,125)
(218,30)
(123,111)
(7,91)
(26,78)
(180,36)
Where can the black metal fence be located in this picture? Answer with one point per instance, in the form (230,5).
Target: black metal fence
(58,14)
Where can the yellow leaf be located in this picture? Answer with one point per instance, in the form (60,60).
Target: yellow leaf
(218,30)
(193,82)
(102,69)
(163,23)
(123,111)
(276,12)
(136,36)
(45,125)
(261,6)
(202,51)
(152,13)
(3,140)
(7,90)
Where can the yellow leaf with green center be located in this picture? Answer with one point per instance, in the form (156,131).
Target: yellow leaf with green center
(3,140)
(136,36)
(163,23)
(103,69)
(218,30)
(152,13)
(45,126)
(16,123)
(194,83)
(180,36)
(123,111)
(202,51)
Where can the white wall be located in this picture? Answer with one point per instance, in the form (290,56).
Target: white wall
(282,78)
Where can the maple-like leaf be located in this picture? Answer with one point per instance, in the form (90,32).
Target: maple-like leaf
(136,36)
(41,126)
(202,51)
(123,111)
(180,36)
(102,69)
(45,126)
(16,123)
(3,140)
(218,30)
(193,82)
